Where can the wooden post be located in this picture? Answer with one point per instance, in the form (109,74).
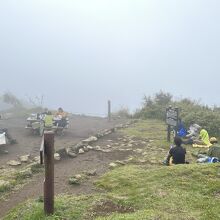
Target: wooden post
(109,110)
(49,172)
(168,132)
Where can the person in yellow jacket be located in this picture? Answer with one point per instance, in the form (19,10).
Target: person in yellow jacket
(203,140)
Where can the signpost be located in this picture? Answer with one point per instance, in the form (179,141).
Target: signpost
(172,117)
(47,157)
(109,110)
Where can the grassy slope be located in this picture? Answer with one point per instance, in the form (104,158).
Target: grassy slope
(154,192)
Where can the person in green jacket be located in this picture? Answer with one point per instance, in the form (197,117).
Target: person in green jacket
(48,120)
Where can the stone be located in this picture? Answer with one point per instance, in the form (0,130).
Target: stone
(129,159)
(120,162)
(98,148)
(86,149)
(112,165)
(91,173)
(26,173)
(37,159)
(57,157)
(74,181)
(108,146)
(70,152)
(130,145)
(90,139)
(81,151)
(106,150)
(14,163)
(145,153)
(24,158)
(90,147)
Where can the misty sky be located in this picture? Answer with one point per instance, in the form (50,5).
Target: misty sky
(80,53)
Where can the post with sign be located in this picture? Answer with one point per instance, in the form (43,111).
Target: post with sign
(172,115)
(47,156)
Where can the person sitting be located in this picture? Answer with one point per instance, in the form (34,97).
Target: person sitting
(48,120)
(61,115)
(203,140)
(177,153)
(214,150)
(213,154)
(181,131)
(8,136)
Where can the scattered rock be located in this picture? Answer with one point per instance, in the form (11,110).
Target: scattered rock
(112,165)
(90,147)
(37,159)
(81,151)
(75,180)
(86,149)
(57,157)
(98,148)
(91,173)
(14,163)
(106,150)
(90,139)
(70,152)
(24,158)
(120,162)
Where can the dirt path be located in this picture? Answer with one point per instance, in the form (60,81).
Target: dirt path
(80,127)
(64,169)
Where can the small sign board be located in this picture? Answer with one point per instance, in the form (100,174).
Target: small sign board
(172,116)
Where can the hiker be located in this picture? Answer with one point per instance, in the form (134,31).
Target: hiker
(61,115)
(214,150)
(177,153)
(48,120)
(181,131)
(202,140)
(213,154)
(8,136)
(192,134)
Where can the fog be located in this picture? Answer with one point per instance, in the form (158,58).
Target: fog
(78,54)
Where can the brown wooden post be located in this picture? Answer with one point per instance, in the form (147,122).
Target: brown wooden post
(109,110)
(49,172)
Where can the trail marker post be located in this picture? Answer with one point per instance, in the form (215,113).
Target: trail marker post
(109,110)
(47,157)
(172,117)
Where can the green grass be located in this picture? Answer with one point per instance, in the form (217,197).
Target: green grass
(66,207)
(146,192)
(186,190)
